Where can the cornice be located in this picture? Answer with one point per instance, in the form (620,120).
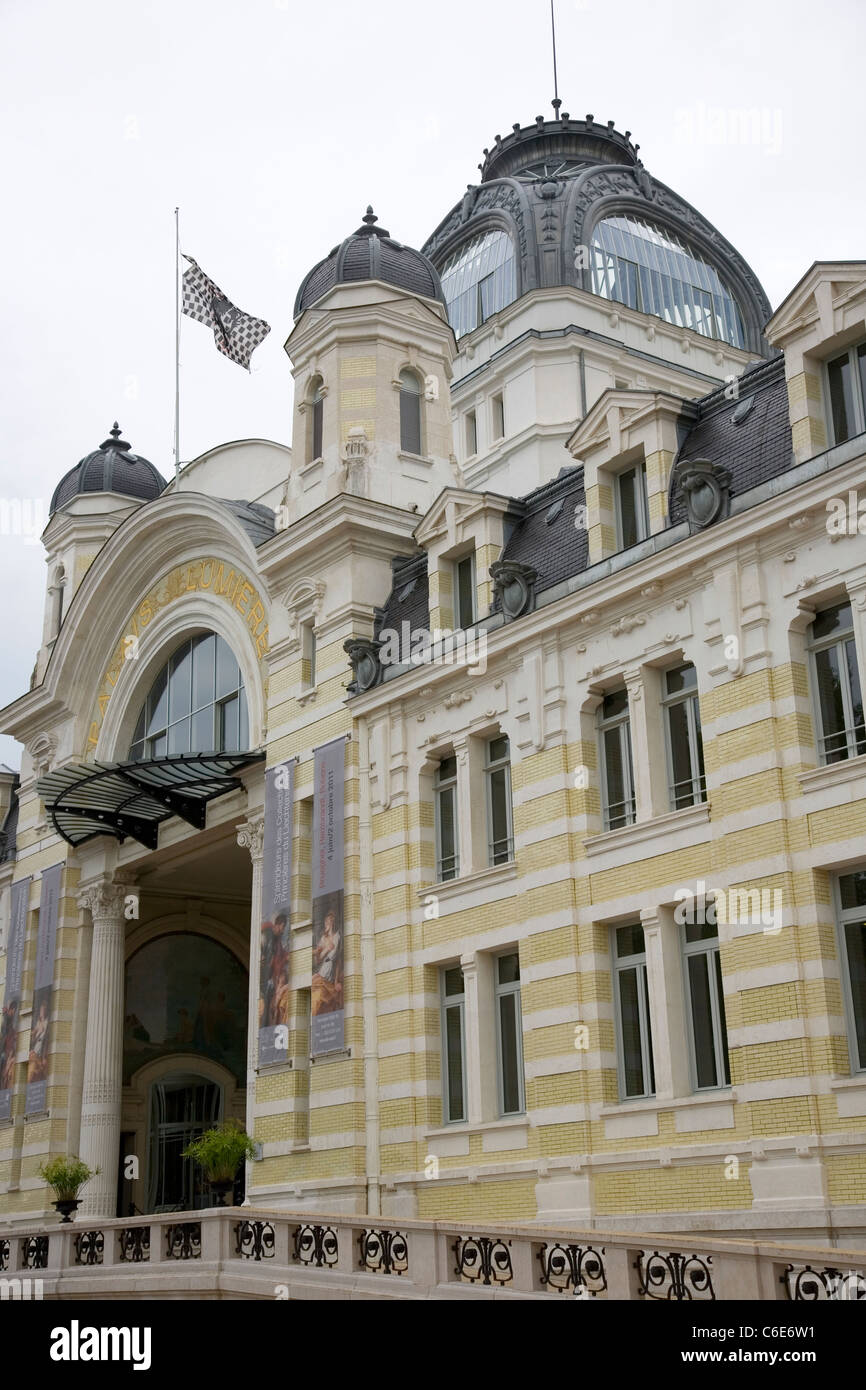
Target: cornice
(336,528)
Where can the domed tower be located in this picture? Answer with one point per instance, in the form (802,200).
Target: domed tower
(604,276)
(89,503)
(371,352)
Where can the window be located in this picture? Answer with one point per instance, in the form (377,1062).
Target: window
(316,417)
(846,376)
(509,1035)
(632,509)
(686,776)
(308,655)
(851,901)
(410,412)
(464,591)
(304,857)
(478,280)
(838,693)
(471,434)
(197,704)
(445,802)
(497,777)
(653,270)
(634,1031)
(616,765)
(453,1045)
(708,1035)
(498,414)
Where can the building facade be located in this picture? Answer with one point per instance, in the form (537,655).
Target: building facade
(554,616)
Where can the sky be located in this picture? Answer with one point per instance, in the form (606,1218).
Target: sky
(273,123)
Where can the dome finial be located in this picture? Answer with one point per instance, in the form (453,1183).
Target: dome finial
(115,432)
(371,219)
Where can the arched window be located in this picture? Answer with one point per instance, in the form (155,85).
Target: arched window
(197,704)
(478,280)
(316,402)
(653,270)
(410,412)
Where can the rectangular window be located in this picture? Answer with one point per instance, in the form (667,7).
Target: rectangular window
(687,780)
(708,1034)
(631,998)
(497,777)
(304,868)
(617,774)
(308,655)
(318,412)
(498,410)
(453,1045)
(445,799)
(509,1035)
(837,686)
(471,434)
(851,902)
(632,508)
(464,591)
(846,380)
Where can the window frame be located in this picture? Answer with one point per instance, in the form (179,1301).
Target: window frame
(709,946)
(316,407)
(308,654)
(500,991)
(458,1002)
(470,430)
(843,916)
(858,394)
(620,964)
(642,517)
(623,723)
(814,646)
(691,699)
(415,393)
(216,705)
(497,416)
(490,768)
(441,786)
(459,624)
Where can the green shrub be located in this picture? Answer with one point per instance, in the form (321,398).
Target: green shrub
(65,1176)
(220,1152)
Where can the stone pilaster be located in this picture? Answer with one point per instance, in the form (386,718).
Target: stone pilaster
(251,836)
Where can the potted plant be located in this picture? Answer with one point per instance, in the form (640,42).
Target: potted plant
(66,1176)
(219,1153)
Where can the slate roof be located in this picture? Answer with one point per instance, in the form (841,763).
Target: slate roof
(370,253)
(9,831)
(257,520)
(409,599)
(754,450)
(545,535)
(110,468)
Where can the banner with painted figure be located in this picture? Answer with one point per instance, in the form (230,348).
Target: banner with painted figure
(328,1016)
(276,911)
(12,994)
(43,983)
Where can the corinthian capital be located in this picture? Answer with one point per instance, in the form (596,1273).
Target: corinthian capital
(251,834)
(105,897)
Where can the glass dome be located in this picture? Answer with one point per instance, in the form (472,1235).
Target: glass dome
(479,279)
(652,270)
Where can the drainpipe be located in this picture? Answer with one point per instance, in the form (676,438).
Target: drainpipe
(368,973)
(581,370)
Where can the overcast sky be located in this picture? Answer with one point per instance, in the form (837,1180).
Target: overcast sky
(273,124)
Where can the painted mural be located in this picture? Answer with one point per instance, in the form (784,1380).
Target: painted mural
(185,994)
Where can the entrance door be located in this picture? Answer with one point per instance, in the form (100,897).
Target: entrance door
(181,1108)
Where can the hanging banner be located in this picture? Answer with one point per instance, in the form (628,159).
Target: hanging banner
(328,886)
(46,945)
(276,911)
(12,993)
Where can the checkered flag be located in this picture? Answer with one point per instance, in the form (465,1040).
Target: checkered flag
(236,334)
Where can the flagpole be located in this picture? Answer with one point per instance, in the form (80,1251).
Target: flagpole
(177,343)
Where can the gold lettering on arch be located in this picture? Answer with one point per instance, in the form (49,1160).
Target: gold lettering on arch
(209,574)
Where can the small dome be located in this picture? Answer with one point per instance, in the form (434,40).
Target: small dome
(110,468)
(370,253)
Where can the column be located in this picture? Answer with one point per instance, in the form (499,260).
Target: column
(251,836)
(103,1055)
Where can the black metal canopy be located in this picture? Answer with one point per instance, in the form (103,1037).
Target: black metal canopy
(133,799)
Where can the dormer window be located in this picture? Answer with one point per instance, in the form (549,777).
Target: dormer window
(631,506)
(846,379)
(410,412)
